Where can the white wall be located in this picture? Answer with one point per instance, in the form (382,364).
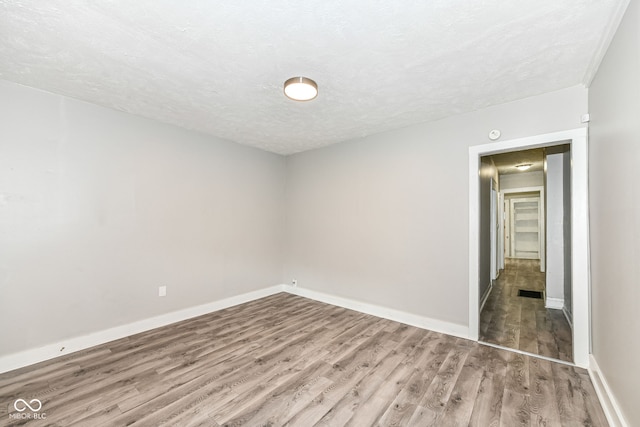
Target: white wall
(614,155)
(566,223)
(98,208)
(555,231)
(488,173)
(520,180)
(384,219)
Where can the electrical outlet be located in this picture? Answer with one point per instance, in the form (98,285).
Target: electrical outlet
(294,282)
(162,291)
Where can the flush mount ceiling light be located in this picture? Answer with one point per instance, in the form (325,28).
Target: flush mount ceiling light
(523,166)
(300,89)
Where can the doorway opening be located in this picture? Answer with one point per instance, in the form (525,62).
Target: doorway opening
(525,305)
(577,268)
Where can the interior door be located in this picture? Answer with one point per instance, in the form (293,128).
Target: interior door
(525,228)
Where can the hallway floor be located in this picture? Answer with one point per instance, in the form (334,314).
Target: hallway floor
(524,323)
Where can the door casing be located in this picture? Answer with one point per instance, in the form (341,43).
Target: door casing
(540,191)
(581,289)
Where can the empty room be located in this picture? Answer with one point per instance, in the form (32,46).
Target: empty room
(319,213)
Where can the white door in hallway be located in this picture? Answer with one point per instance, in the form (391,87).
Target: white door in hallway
(525,227)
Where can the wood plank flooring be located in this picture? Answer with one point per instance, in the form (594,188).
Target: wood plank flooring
(524,323)
(287,360)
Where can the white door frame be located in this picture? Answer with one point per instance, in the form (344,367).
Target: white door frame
(581,289)
(512,223)
(540,191)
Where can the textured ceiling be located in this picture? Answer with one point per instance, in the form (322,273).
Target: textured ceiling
(218,66)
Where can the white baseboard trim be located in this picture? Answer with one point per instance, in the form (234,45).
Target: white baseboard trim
(485,297)
(567,316)
(554,303)
(50,351)
(612,410)
(461,331)
(29,357)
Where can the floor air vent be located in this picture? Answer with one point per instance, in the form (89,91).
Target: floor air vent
(529,294)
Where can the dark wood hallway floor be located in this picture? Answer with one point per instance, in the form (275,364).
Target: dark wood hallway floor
(524,323)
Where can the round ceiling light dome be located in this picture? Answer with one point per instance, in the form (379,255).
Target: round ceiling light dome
(523,166)
(300,89)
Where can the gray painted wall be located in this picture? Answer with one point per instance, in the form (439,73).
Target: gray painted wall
(554,222)
(487,178)
(558,221)
(384,219)
(98,208)
(614,144)
(566,223)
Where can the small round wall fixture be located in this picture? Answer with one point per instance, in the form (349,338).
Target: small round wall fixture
(300,89)
(494,134)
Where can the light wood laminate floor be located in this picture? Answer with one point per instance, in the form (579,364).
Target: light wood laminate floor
(524,323)
(287,360)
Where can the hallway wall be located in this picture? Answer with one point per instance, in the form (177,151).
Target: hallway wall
(566,224)
(555,220)
(614,105)
(488,181)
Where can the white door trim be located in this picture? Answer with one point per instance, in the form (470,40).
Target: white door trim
(540,191)
(581,288)
(512,222)
(543,214)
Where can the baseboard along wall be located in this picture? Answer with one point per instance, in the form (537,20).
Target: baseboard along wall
(485,297)
(36,355)
(29,357)
(461,331)
(567,315)
(554,303)
(610,405)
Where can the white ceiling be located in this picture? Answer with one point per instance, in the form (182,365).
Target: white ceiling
(218,66)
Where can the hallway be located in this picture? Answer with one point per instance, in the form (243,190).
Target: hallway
(524,323)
